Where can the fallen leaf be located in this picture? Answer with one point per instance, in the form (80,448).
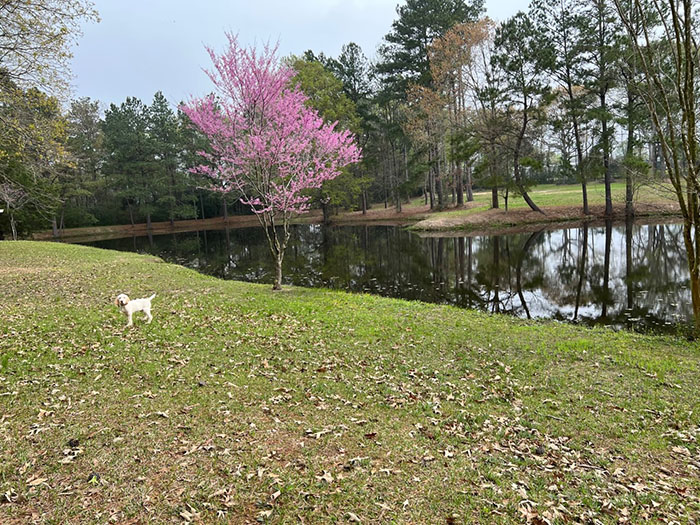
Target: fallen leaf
(326,476)
(36,481)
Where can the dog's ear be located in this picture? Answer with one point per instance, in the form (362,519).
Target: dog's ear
(116,301)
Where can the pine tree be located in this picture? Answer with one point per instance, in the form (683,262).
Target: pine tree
(129,156)
(519,56)
(420,22)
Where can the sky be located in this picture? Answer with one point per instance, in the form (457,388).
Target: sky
(140,47)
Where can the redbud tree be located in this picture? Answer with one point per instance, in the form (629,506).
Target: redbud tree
(266,143)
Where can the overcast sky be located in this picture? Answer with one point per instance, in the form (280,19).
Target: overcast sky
(144,46)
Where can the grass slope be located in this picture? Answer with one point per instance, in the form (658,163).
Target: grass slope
(240,405)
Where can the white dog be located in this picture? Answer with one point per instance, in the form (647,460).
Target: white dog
(130,307)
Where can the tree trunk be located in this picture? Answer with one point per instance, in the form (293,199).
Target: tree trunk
(606,159)
(439,183)
(470,189)
(494,197)
(516,168)
(527,198)
(579,148)
(278,272)
(364,202)
(459,189)
(629,181)
(385,185)
(629,194)
(54,227)
(430,182)
(172,198)
(13,226)
(225,208)
(695,291)
(689,238)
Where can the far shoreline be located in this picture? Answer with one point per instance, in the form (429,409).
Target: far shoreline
(419,219)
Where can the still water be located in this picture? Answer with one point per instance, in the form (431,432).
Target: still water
(632,276)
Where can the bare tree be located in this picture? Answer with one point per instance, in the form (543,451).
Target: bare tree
(668,57)
(14,198)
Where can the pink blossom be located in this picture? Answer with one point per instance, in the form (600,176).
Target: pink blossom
(266,143)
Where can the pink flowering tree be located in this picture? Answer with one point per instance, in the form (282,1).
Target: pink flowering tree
(265,142)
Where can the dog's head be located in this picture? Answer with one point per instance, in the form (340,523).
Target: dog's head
(121,300)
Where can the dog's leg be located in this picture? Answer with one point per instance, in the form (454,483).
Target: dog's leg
(148,315)
(130,322)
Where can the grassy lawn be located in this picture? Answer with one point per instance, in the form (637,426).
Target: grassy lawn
(560,204)
(569,195)
(240,405)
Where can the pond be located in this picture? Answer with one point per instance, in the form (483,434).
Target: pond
(632,276)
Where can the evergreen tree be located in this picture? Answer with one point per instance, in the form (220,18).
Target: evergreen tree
(129,156)
(420,22)
(563,27)
(326,95)
(168,179)
(85,186)
(357,75)
(519,56)
(602,32)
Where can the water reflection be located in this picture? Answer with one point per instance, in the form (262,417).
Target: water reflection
(631,275)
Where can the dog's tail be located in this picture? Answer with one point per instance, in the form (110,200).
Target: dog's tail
(151,297)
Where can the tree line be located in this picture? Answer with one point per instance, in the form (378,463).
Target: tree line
(452,102)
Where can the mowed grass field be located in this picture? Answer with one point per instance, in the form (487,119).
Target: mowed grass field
(546,195)
(559,204)
(241,405)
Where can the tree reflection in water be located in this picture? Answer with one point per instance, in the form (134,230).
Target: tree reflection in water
(632,275)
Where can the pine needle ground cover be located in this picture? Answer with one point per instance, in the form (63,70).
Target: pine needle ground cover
(243,405)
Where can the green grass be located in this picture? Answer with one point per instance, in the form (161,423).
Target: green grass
(239,405)
(546,195)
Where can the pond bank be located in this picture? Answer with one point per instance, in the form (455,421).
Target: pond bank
(474,218)
(376,216)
